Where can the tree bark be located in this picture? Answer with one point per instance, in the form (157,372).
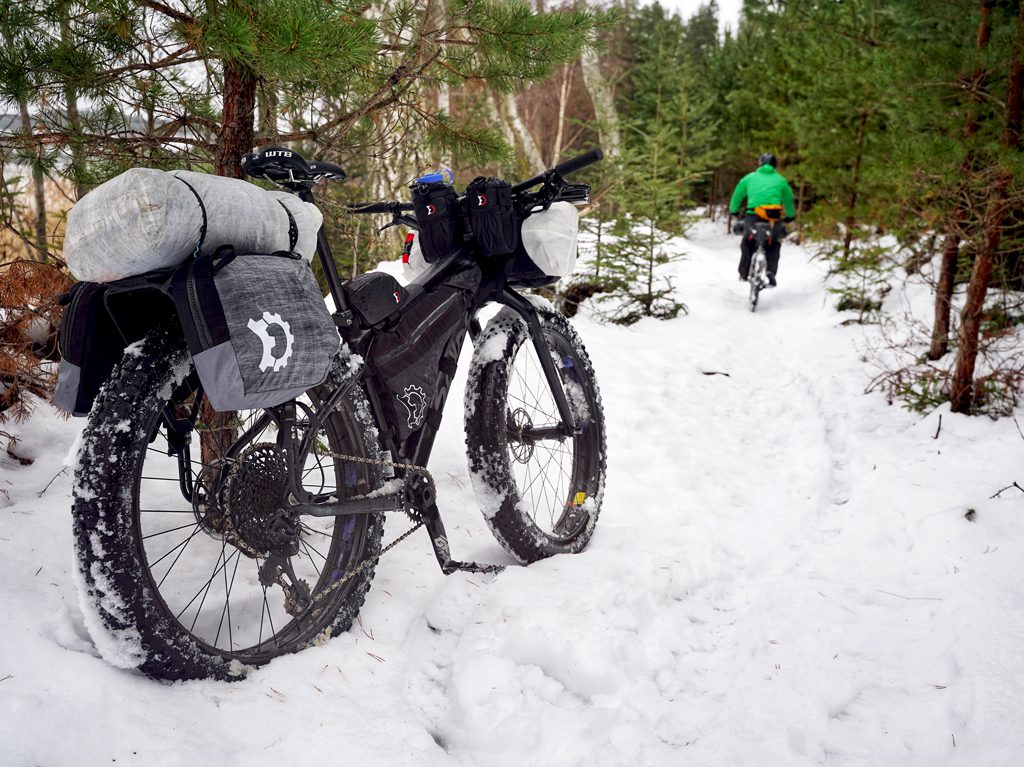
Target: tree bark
(962,394)
(236,131)
(951,248)
(74,119)
(234,139)
(604,103)
(944,291)
(850,219)
(38,186)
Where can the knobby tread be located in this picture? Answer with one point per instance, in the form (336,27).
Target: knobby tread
(487,446)
(115,589)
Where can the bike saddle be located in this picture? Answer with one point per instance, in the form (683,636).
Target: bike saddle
(286,167)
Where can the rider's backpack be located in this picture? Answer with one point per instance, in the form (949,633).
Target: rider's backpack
(257,327)
(492,216)
(439,217)
(547,252)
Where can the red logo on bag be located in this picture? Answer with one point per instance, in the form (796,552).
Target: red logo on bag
(431,210)
(398,297)
(481,200)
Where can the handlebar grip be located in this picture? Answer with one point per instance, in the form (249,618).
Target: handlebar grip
(569,166)
(580,161)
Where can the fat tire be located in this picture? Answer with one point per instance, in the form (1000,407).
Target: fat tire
(487,440)
(123,611)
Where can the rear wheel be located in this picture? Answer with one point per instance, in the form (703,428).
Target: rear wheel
(540,491)
(176,560)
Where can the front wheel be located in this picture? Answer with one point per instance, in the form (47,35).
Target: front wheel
(540,491)
(173,551)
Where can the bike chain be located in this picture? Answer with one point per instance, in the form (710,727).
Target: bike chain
(415,516)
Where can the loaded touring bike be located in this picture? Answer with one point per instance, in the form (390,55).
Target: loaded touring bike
(209,543)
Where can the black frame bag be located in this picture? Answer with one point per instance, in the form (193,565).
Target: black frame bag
(492,216)
(439,217)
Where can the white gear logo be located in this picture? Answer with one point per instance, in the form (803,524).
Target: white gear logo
(259,327)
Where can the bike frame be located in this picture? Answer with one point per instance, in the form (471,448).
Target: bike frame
(417,488)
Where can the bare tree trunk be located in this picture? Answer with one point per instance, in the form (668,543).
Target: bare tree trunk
(508,111)
(951,247)
(236,131)
(563,98)
(604,103)
(850,220)
(234,140)
(269,103)
(74,119)
(962,395)
(962,387)
(38,186)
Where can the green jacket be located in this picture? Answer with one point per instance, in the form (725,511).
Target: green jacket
(763,187)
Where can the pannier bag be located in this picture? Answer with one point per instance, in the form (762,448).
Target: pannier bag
(492,216)
(256,325)
(146,219)
(374,296)
(439,217)
(98,322)
(89,346)
(547,252)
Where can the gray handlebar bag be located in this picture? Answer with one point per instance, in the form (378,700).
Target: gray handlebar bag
(147,219)
(257,327)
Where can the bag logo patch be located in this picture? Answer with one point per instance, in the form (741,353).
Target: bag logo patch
(415,401)
(431,210)
(481,200)
(259,327)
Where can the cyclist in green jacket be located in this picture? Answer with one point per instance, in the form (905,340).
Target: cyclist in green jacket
(768,196)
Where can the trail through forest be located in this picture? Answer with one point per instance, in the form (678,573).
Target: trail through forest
(786,572)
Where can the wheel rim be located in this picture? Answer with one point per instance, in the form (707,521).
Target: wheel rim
(553,477)
(206,576)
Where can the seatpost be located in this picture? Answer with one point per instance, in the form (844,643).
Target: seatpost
(343,314)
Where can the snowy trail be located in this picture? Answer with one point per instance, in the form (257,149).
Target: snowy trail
(783,574)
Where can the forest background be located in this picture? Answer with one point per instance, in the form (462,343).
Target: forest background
(897,122)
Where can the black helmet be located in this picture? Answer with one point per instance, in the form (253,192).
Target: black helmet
(767,159)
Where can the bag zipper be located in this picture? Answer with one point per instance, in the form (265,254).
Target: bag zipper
(205,340)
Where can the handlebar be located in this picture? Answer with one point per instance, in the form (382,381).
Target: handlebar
(380,207)
(569,192)
(564,169)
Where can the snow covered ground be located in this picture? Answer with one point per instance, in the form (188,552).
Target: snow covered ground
(786,572)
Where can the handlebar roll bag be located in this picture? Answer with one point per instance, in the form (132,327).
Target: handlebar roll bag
(440,220)
(257,327)
(492,216)
(547,251)
(146,219)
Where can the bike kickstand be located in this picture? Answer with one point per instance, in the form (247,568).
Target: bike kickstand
(422,497)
